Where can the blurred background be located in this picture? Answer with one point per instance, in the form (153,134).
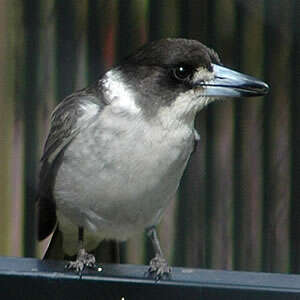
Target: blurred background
(238,206)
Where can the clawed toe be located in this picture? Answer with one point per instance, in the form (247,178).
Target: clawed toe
(83,260)
(159,268)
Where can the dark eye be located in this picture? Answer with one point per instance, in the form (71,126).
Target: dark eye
(182,72)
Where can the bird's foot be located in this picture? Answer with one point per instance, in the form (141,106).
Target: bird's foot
(159,268)
(83,260)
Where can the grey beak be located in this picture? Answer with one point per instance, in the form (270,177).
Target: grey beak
(229,83)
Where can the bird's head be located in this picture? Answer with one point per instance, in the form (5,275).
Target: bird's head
(181,76)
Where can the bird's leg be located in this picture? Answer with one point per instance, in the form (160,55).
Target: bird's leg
(83,258)
(158,265)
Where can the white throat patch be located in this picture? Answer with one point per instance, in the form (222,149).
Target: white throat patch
(120,96)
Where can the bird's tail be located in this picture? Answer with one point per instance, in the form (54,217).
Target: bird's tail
(55,249)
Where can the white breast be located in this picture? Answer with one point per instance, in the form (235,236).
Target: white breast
(118,175)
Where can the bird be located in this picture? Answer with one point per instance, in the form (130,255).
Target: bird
(116,150)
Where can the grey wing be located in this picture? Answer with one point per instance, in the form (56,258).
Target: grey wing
(71,116)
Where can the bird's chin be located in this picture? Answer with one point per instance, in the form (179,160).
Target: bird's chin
(203,100)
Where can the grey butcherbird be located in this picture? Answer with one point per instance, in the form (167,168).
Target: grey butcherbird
(116,151)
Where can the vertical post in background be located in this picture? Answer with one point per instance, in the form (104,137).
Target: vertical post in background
(7,110)
(66,59)
(220,148)
(199,29)
(31,27)
(211,41)
(155,19)
(80,37)
(125,35)
(96,20)
(276,137)
(15,80)
(238,206)
(46,69)
(295,140)
(248,142)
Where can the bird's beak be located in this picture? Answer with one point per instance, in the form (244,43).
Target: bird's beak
(229,83)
